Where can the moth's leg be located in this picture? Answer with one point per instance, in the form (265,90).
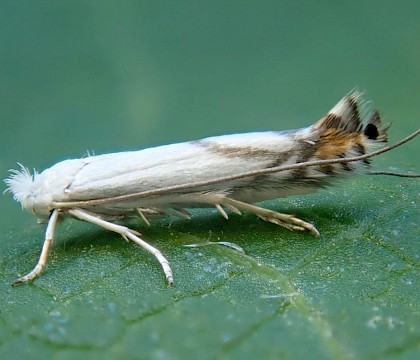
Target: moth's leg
(126,233)
(288,221)
(49,235)
(162,212)
(179,212)
(143,217)
(218,204)
(221,210)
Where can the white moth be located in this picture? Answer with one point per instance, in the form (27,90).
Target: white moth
(227,172)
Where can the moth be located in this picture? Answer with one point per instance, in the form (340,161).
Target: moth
(228,172)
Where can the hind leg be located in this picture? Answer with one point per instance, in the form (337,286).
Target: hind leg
(288,221)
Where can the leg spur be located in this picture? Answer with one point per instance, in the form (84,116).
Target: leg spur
(287,221)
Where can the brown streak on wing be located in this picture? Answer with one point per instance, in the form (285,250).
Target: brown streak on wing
(334,143)
(243,152)
(329,121)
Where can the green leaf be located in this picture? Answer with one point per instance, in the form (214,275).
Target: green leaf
(351,293)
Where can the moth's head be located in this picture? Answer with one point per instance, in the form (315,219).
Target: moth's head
(29,190)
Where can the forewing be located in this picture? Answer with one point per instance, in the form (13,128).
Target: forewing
(117,174)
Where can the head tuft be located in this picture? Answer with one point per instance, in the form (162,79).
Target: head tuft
(20,183)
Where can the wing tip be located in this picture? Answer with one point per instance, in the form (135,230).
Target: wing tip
(346,116)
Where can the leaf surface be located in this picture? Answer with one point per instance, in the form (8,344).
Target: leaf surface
(351,293)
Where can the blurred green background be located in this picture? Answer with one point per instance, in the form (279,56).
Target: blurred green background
(105,76)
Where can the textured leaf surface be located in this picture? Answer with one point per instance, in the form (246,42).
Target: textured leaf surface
(353,292)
